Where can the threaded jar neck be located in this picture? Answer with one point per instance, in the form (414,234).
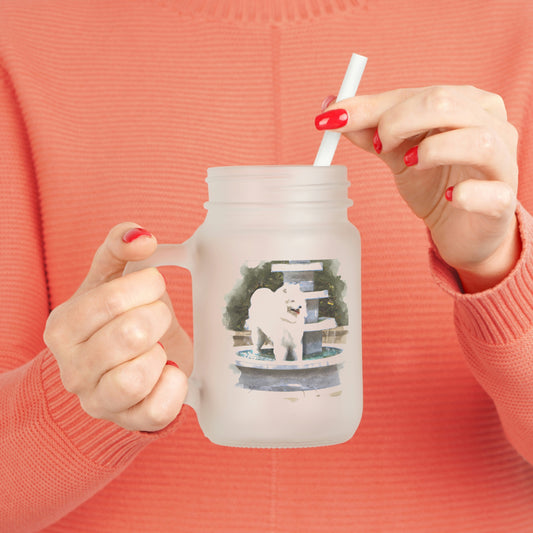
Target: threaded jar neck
(276,187)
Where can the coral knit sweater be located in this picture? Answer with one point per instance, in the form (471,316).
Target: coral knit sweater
(111,111)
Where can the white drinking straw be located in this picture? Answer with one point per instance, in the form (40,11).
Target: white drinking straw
(353,76)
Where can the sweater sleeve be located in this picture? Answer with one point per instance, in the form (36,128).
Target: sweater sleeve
(495,329)
(53,456)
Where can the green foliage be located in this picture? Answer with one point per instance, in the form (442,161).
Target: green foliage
(333,305)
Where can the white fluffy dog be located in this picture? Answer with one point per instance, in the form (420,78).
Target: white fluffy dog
(279,316)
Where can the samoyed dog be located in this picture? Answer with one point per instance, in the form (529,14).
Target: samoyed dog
(279,316)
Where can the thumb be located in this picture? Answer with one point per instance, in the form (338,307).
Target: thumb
(125,242)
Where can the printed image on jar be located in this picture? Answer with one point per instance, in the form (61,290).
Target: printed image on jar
(289,324)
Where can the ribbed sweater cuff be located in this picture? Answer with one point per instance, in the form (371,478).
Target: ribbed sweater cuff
(503,313)
(102,442)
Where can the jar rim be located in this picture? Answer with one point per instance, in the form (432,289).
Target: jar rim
(310,172)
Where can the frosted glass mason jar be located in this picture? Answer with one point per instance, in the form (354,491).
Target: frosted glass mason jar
(276,302)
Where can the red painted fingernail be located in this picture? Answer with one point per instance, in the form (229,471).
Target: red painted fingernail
(331,120)
(411,156)
(160,344)
(135,233)
(172,363)
(449,194)
(327,101)
(376,141)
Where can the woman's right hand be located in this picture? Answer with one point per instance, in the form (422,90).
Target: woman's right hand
(106,338)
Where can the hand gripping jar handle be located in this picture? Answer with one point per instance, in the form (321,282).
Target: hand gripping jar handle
(170,255)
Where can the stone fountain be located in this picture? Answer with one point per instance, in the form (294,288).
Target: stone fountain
(319,367)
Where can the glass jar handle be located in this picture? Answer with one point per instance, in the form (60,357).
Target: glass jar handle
(171,255)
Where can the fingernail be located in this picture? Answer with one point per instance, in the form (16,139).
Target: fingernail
(327,101)
(160,344)
(449,194)
(171,363)
(376,141)
(331,120)
(135,233)
(411,156)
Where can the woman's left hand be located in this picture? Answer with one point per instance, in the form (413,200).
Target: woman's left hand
(453,156)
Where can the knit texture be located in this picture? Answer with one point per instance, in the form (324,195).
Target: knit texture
(111,112)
